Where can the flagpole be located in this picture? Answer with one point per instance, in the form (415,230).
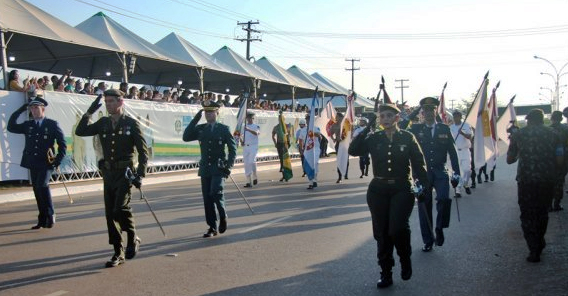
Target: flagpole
(469,109)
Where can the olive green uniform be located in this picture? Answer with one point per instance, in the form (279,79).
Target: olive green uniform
(389,196)
(118,145)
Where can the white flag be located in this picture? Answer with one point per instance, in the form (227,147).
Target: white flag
(345,132)
(506,121)
(482,141)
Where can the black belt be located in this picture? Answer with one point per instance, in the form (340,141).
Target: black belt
(390,181)
(116,165)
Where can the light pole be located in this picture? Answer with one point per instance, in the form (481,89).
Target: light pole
(556,78)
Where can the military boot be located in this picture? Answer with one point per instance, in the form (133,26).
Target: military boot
(405,268)
(386,279)
(117,258)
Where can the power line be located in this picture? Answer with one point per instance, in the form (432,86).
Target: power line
(439,35)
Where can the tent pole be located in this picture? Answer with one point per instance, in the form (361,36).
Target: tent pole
(322,106)
(201,84)
(254,86)
(293,98)
(4,59)
(124,69)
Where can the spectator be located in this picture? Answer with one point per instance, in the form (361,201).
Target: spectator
(13,82)
(132,93)
(78,86)
(46,84)
(149,95)
(69,85)
(101,88)
(167,96)
(123,87)
(184,99)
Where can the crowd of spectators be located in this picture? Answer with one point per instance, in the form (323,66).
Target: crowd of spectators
(68,84)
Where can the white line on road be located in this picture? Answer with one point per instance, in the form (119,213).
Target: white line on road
(58,293)
(265,224)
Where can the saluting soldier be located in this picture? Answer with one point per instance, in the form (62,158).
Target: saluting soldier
(41,134)
(394,153)
(215,165)
(119,135)
(437,143)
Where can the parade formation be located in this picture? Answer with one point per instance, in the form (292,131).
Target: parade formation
(406,151)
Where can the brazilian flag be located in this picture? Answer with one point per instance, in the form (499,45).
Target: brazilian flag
(287,162)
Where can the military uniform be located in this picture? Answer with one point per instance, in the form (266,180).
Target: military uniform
(214,165)
(562,133)
(39,139)
(389,195)
(118,143)
(536,147)
(437,143)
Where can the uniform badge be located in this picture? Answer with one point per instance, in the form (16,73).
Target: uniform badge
(45,137)
(443,136)
(128,130)
(402,147)
(120,132)
(128,133)
(104,135)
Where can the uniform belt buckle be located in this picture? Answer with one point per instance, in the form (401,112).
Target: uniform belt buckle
(391,181)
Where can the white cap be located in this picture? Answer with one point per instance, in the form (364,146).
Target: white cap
(302,121)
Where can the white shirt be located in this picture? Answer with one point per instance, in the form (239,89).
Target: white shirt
(461,141)
(250,138)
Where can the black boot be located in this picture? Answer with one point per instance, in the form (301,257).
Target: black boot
(117,258)
(492,175)
(386,280)
(405,269)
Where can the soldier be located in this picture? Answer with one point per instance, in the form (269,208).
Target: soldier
(119,134)
(250,149)
(437,143)
(394,153)
(462,134)
(540,154)
(40,133)
(215,165)
(281,142)
(364,161)
(562,133)
(300,138)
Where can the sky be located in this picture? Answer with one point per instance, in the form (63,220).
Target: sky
(426,43)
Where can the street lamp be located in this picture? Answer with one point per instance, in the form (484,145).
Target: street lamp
(556,78)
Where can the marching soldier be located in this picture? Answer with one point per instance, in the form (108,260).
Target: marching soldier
(562,132)
(437,143)
(462,134)
(119,135)
(250,149)
(364,161)
(540,154)
(215,165)
(41,133)
(394,153)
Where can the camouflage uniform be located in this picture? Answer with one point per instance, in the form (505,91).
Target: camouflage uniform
(535,147)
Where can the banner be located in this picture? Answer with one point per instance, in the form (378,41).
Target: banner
(284,133)
(482,142)
(507,121)
(345,132)
(163,125)
(311,152)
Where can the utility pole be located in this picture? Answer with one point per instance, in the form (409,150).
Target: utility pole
(248,39)
(402,87)
(452,102)
(353,69)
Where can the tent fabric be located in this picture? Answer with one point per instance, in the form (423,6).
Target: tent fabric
(41,42)
(302,89)
(240,65)
(359,102)
(301,74)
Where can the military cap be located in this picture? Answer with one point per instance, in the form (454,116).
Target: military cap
(209,105)
(302,121)
(250,114)
(535,115)
(456,112)
(38,100)
(114,93)
(387,107)
(429,101)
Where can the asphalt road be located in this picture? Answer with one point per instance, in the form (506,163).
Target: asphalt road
(298,242)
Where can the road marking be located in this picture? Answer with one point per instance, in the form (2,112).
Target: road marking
(265,224)
(58,293)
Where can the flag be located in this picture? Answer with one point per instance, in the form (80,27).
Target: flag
(311,152)
(442,107)
(345,131)
(507,120)
(286,161)
(493,126)
(482,141)
(241,119)
(331,113)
